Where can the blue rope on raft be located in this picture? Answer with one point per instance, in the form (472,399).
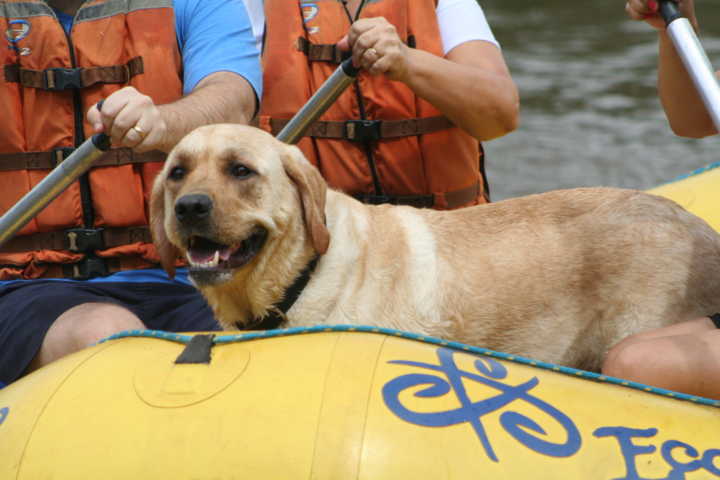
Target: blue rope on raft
(700,170)
(255,335)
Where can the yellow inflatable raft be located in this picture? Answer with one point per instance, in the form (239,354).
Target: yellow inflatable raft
(698,192)
(346,403)
(341,403)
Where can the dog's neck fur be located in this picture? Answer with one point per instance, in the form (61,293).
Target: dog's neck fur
(259,287)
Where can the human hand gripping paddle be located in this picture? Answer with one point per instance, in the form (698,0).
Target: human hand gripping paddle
(693,56)
(91,149)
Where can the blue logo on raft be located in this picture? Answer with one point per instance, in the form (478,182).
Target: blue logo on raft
(681,458)
(489,372)
(3,414)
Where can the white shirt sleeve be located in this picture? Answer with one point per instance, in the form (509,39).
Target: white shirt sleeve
(461,21)
(256,12)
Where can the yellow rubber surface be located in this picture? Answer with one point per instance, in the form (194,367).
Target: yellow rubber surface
(698,193)
(339,406)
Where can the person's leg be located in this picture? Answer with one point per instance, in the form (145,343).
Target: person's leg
(173,308)
(29,310)
(684,357)
(80,327)
(42,320)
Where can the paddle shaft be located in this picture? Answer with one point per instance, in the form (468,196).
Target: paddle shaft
(328,92)
(53,185)
(694,58)
(83,157)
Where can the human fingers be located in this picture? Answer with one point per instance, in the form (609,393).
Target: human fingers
(102,118)
(94,118)
(148,133)
(645,10)
(343,44)
(641,9)
(134,123)
(357,29)
(380,50)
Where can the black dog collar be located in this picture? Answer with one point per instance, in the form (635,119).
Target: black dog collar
(276,314)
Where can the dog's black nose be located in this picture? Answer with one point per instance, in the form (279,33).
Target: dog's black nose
(192,209)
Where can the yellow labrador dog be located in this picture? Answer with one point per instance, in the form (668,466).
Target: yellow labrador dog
(559,276)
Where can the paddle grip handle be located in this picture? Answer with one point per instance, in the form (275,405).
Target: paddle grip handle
(349,69)
(669,11)
(101,140)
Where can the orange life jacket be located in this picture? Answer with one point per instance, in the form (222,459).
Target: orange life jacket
(378,135)
(49,81)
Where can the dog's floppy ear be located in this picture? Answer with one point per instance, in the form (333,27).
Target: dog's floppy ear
(167,251)
(312,189)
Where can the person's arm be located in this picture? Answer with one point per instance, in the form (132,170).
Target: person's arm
(471,85)
(681,101)
(684,108)
(221,80)
(133,120)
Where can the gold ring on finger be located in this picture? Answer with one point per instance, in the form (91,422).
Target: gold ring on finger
(372,51)
(139,131)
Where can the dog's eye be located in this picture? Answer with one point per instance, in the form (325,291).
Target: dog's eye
(239,170)
(176,173)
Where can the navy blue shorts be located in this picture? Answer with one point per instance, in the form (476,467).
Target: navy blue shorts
(27,309)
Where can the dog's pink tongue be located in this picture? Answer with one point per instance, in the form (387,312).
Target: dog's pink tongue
(201,256)
(225,253)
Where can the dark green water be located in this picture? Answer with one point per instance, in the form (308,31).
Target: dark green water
(589,108)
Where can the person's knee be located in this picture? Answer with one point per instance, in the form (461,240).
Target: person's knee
(91,322)
(82,326)
(629,360)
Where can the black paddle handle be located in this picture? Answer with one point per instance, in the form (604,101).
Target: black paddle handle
(669,11)
(101,140)
(348,68)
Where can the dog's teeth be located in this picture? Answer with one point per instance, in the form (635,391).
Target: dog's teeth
(209,264)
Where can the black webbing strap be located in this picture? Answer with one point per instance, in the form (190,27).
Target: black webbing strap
(198,350)
(57,79)
(369,130)
(328,52)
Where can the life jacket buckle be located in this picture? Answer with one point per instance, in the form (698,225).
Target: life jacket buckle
(362,130)
(84,239)
(59,154)
(88,267)
(57,79)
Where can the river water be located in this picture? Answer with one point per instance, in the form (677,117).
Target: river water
(590,114)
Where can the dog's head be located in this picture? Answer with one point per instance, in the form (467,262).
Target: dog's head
(225,194)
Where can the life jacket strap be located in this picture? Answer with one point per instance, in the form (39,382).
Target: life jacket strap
(446,200)
(78,240)
(57,79)
(49,160)
(364,130)
(328,52)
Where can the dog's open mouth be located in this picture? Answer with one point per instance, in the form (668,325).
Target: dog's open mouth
(204,254)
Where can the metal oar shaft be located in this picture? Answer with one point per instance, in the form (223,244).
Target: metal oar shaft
(319,102)
(83,157)
(694,58)
(51,186)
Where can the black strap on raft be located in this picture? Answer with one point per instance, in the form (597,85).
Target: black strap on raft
(198,350)
(276,314)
